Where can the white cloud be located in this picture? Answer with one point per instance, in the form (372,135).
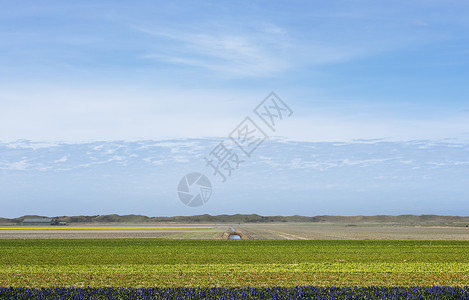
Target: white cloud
(266,52)
(61,160)
(18,166)
(258,54)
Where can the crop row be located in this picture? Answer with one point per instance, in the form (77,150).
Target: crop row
(233,279)
(158,251)
(306,292)
(339,267)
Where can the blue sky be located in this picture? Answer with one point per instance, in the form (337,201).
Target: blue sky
(280,178)
(84,71)
(350,69)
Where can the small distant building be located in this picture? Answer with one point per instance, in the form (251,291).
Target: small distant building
(55,222)
(42,221)
(37,221)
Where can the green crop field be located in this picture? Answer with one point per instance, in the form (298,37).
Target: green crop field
(160,262)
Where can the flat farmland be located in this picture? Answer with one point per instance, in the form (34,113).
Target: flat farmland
(278,231)
(321,231)
(170,231)
(231,263)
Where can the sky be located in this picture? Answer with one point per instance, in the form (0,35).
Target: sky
(86,71)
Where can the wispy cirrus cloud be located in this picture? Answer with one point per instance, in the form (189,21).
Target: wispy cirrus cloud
(263,50)
(258,54)
(266,51)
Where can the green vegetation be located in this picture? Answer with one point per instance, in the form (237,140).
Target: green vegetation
(159,262)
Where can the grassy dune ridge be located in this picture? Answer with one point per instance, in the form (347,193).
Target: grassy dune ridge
(255,218)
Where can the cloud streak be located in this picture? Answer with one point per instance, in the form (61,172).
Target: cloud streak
(259,54)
